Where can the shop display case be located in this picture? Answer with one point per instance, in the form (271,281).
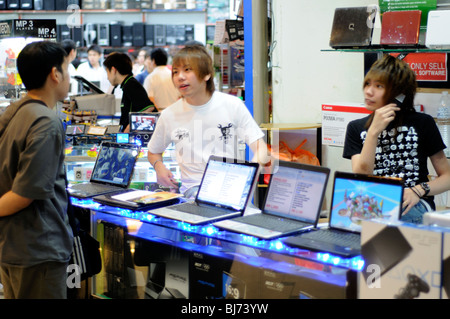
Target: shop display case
(149,257)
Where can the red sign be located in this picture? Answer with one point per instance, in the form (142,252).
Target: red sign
(428,66)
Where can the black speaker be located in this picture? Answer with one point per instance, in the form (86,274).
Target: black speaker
(26,4)
(13,4)
(77,36)
(127,35)
(115,35)
(160,35)
(138,34)
(48,5)
(2,4)
(189,32)
(63,32)
(61,5)
(149,35)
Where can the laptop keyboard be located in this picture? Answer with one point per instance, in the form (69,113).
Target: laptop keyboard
(273,223)
(334,237)
(198,210)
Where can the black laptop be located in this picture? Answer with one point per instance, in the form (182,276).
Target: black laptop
(355,197)
(113,170)
(353,27)
(224,192)
(292,204)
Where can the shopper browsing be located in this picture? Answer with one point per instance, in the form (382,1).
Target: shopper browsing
(93,71)
(158,83)
(203,122)
(397,141)
(134,98)
(35,236)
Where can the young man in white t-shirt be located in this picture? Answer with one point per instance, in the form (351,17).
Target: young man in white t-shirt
(202,123)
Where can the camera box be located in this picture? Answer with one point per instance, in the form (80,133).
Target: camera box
(401,261)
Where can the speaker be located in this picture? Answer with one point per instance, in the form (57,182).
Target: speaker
(103,34)
(160,35)
(149,35)
(61,5)
(115,35)
(13,4)
(48,5)
(127,35)
(2,4)
(138,34)
(63,32)
(77,36)
(90,34)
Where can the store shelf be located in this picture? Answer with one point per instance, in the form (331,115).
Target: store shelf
(289,126)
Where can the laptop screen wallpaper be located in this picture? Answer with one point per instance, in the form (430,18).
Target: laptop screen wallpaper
(115,165)
(356,200)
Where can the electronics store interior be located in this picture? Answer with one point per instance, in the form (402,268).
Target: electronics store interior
(300,68)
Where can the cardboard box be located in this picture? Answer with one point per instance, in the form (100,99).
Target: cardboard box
(402,261)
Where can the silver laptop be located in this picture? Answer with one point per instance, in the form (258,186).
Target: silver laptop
(353,27)
(292,204)
(224,192)
(438,29)
(113,171)
(356,197)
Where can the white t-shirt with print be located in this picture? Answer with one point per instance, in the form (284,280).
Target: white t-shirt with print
(216,128)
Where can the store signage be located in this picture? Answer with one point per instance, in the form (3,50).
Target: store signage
(335,118)
(36,28)
(429,67)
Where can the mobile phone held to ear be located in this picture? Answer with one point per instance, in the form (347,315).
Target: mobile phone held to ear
(399,100)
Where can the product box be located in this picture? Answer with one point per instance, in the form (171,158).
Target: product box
(206,275)
(282,280)
(401,261)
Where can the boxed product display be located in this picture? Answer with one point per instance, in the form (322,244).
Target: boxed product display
(402,261)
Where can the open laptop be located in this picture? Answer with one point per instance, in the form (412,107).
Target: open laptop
(75,129)
(141,122)
(355,197)
(292,204)
(353,27)
(225,189)
(112,171)
(438,24)
(400,28)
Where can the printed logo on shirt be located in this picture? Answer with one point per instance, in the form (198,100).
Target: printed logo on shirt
(225,131)
(181,134)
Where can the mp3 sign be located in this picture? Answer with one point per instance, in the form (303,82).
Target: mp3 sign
(35,28)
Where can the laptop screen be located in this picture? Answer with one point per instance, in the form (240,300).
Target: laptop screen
(143,122)
(227,184)
(115,163)
(296,191)
(361,197)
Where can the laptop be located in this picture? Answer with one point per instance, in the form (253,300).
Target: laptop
(353,27)
(75,129)
(355,197)
(292,204)
(139,199)
(400,28)
(436,37)
(224,192)
(141,122)
(112,171)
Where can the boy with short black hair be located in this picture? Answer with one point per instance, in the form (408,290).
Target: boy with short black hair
(119,69)
(35,235)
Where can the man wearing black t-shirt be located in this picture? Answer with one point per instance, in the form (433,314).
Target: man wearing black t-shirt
(135,99)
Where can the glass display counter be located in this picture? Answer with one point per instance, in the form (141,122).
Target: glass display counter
(145,256)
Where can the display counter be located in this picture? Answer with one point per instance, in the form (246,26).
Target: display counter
(145,256)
